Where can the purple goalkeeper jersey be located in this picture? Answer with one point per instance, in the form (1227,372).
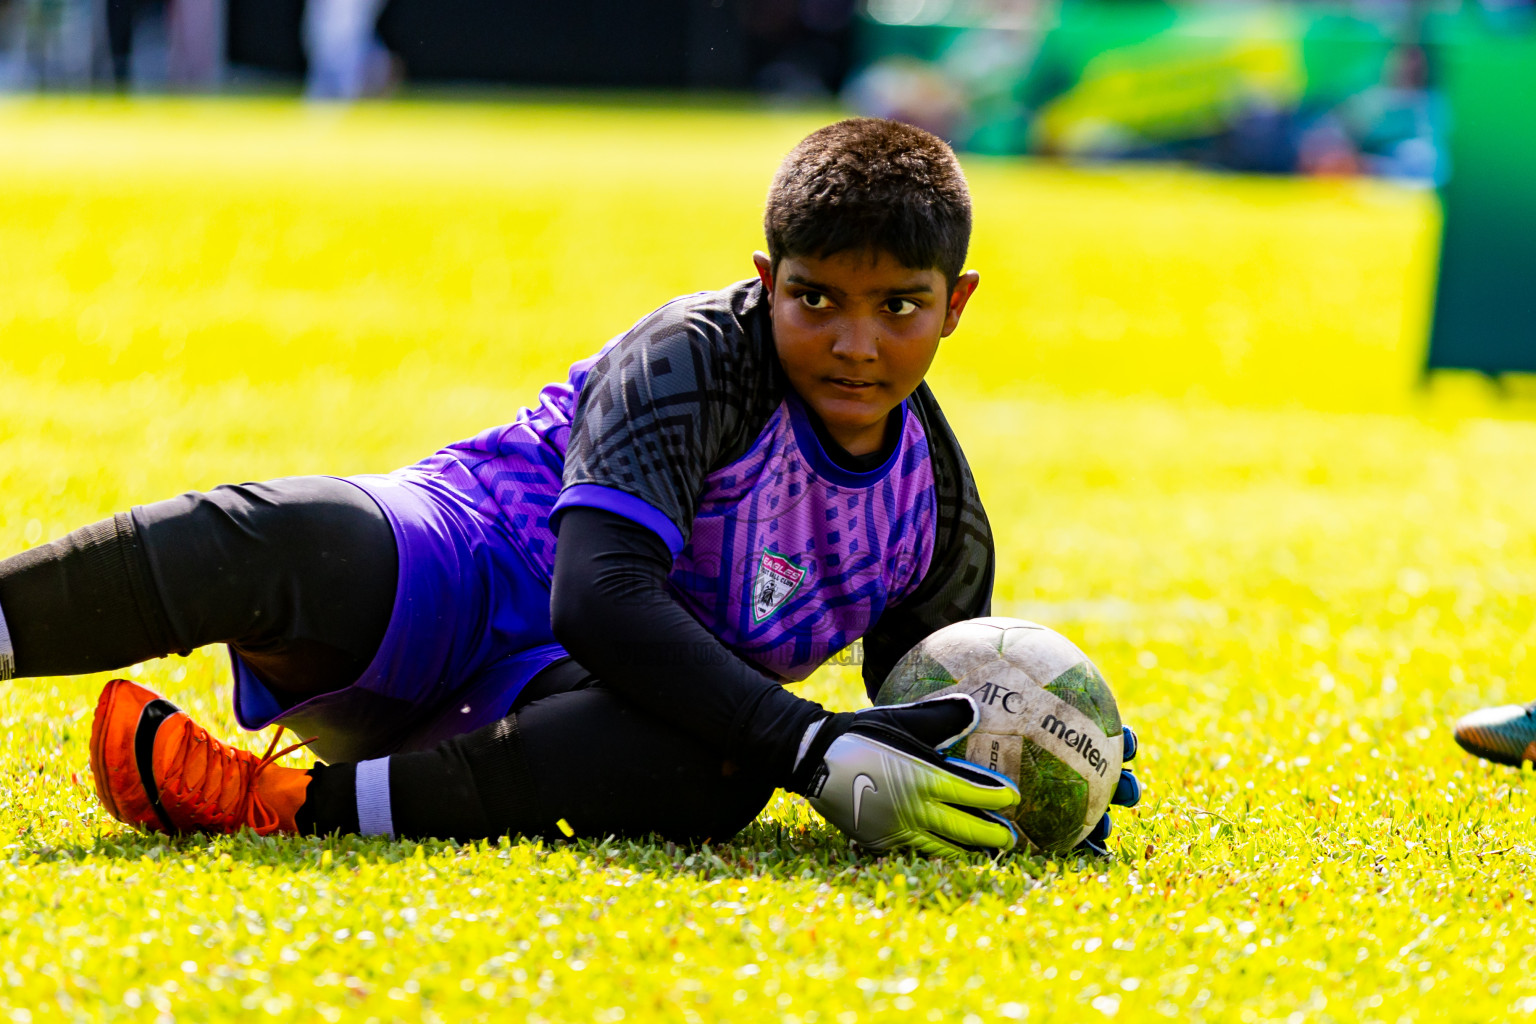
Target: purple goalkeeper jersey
(686,424)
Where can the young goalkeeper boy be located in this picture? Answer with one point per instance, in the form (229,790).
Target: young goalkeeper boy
(585,616)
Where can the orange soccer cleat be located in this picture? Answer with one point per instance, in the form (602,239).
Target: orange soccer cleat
(159,770)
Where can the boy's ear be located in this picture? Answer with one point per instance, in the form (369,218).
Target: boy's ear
(964,289)
(764,267)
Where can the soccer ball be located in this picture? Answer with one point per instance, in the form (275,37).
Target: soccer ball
(1048,720)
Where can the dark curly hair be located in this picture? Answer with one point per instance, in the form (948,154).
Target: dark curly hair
(865,183)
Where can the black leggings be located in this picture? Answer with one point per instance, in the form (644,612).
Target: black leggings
(572,750)
(298,576)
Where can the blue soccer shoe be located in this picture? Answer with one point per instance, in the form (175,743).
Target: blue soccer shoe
(1504,735)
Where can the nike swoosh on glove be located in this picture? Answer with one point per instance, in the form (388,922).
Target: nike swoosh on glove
(877,775)
(1127,794)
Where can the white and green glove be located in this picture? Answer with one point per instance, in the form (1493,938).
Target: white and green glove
(877,775)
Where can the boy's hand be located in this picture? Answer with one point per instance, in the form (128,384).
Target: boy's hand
(877,775)
(1127,794)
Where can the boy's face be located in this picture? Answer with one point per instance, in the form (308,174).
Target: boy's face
(856,333)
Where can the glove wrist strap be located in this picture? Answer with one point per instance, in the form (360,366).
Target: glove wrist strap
(813,749)
(805,740)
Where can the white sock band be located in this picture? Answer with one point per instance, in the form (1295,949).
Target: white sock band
(7,652)
(375,817)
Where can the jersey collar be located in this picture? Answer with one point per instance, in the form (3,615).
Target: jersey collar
(811,447)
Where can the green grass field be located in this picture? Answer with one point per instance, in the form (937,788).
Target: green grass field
(1191,405)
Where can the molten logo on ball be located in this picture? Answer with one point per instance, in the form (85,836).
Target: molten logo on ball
(1078,741)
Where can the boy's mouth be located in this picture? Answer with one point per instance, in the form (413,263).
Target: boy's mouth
(851,383)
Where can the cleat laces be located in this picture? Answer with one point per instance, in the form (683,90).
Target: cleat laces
(216,783)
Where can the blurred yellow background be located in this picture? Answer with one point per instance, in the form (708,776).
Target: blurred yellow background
(206,240)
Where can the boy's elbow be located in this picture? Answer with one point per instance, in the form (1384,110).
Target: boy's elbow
(571,616)
(589,621)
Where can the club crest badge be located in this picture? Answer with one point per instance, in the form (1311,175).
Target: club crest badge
(777,579)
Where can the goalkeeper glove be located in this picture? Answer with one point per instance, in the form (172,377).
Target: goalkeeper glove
(877,775)
(1127,794)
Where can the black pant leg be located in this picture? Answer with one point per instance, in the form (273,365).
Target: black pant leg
(608,768)
(576,752)
(298,575)
(83,603)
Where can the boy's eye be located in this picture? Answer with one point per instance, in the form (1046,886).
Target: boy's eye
(901,307)
(815,300)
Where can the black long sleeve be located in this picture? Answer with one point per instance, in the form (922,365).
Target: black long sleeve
(611,610)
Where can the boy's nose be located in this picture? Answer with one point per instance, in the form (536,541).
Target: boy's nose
(859,339)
